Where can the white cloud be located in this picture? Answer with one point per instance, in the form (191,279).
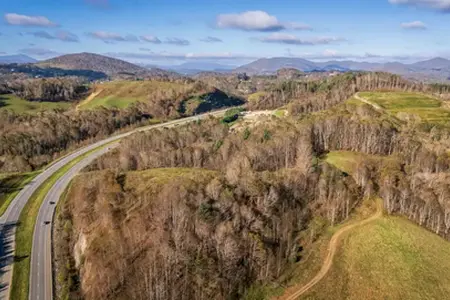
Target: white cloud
(109,37)
(441,5)
(257,20)
(250,21)
(414,25)
(151,39)
(23,20)
(177,42)
(61,35)
(66,36)
(289,39)
(211,39)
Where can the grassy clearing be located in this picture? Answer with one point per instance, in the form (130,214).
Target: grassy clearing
(348,161)
(109,102)
(10,186)
(280,113)
(255,96)
(24,232)
(390,258)
(413,106)
(18,105)
(121,94)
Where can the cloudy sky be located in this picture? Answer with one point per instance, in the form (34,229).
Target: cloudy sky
(227,31)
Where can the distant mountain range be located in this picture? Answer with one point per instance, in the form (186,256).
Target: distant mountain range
(433,69)
(436,69)
(191,68)
(16,59)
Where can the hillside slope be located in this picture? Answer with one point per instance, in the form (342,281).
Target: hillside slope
(389,258)
(186,97)
(100,63)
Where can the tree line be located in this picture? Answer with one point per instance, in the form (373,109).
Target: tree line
(47,89)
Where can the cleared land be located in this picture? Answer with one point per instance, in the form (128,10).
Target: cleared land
(255,96)
(300,290)
(121,94)
(389,258)
(18,105)
(411,106)
(348,161)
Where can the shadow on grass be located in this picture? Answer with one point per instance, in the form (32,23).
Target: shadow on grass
(3,101)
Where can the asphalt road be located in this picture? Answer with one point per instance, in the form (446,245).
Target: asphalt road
(41,258)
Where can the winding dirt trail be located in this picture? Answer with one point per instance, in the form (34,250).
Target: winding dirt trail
(296,291)
(376,106)
(89,99)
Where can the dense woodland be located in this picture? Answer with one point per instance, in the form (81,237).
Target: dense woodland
(202,211)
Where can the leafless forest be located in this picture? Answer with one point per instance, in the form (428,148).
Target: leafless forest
(203,212)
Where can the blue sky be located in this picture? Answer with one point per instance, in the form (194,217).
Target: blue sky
(231,32)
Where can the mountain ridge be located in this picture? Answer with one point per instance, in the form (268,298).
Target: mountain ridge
(105,64)
(17,59)
(436,67)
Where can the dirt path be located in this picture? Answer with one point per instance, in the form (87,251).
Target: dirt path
(376,106)
(296,291)
(89,99)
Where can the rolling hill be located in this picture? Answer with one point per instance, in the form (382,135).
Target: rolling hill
(100,63)
(188,97)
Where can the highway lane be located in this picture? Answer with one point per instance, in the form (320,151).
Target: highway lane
(10,218)
(41,277)
(41,260)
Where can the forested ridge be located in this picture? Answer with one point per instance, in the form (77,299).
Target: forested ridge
(202,211)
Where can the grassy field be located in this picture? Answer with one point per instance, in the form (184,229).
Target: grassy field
(255,96)
(18,105)
(348,161)
(390,258)
(416,106)
(121,94)
(10,186)
(24,232)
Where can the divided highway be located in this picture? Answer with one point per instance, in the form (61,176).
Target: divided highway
(41,257)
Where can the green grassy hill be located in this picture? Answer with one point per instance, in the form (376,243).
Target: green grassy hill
(189,98)
(121,94)
(411,106)
(390,258)
(18,105)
